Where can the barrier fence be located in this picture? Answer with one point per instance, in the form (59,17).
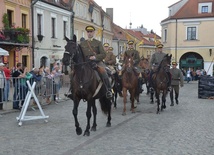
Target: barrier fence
(47,90)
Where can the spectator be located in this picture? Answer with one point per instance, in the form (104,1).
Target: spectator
(2,83)
(57,80)
(49,85)
(7,73)
(188,76)
(17,75)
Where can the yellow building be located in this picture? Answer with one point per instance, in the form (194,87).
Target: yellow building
(187,34)
(15,29)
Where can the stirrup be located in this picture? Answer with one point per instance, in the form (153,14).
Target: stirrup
(109,94)
(169,88)
(151,89)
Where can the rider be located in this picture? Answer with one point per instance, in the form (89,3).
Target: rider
(110,58)
(156,59)
(129,52)
(93,50)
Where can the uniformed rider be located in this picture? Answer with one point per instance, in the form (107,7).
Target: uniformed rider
(136,58)
(110,58)
(155,60)
(93,50)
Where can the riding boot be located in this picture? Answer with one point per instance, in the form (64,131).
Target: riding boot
(150,81)
(108,87)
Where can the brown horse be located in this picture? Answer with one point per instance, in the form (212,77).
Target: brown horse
(144,64)
(85,86)
(129,82)
(160,81)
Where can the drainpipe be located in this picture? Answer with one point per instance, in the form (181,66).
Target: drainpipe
(33,2)
(72,19)
(176,39)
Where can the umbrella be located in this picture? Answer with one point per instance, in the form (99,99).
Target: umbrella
(3,52)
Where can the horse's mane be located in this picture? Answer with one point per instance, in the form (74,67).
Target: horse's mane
(160,65)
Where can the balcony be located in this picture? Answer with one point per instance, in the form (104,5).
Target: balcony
(15,35)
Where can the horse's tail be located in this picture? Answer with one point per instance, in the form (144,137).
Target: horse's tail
(105,104)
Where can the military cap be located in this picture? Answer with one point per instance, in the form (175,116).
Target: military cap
(111,48)
(174,63)
(130,42)
(159,45)
(106,44)
(89,28)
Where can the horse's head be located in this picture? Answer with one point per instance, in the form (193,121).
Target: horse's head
(128,62)
(165,63)
(71,49)
(144,63)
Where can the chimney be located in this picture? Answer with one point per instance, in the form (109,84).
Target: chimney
(109,11)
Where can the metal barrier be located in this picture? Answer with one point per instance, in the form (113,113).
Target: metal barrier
(46,90)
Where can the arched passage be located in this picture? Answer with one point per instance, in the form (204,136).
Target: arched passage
(191,60)
(43,61)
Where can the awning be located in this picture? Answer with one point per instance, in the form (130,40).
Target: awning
(3,52)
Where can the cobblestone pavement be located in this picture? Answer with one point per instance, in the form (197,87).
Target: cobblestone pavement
(187,128)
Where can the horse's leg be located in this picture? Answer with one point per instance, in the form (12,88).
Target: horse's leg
(124,100)
(163,106)
(115,98)
(88,114)
(132,101)
(152,96)
(94,111)
(108,124)
(157,94)
(75,112)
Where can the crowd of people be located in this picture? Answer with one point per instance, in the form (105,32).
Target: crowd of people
(48,83)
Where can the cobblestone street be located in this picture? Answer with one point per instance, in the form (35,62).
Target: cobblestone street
(184,129)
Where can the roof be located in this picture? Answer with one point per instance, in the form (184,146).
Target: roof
(190,10)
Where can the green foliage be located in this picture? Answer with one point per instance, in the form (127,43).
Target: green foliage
(5,21)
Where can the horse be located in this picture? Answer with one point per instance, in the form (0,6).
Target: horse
(144,64)
(85,86)
(129,82)
(160,80)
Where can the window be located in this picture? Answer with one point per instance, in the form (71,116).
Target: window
(24,20)
(53,22)
(191,33)
(165,35)
(204,9)
(39,24)
(10,14)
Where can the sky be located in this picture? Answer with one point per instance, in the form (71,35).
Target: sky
(148,13)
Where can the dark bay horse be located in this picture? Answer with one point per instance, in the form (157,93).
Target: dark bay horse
(144,64)
(160,80)
(129,82)
(85,86)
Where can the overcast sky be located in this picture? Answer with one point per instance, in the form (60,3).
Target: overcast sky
(148,13)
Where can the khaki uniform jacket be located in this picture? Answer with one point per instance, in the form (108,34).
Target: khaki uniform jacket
(110,58)
(177,76)
(96,49)
(129,52)
(157,58)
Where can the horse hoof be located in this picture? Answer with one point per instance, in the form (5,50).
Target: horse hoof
(133,111)
(108,124)
(93,129)
(124,113)
(78,131)
(138,102)
(151,102)
(86,133)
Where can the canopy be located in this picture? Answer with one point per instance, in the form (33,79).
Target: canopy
(3,52)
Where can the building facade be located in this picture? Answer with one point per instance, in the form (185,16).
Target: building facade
(15,32)
(187,34)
